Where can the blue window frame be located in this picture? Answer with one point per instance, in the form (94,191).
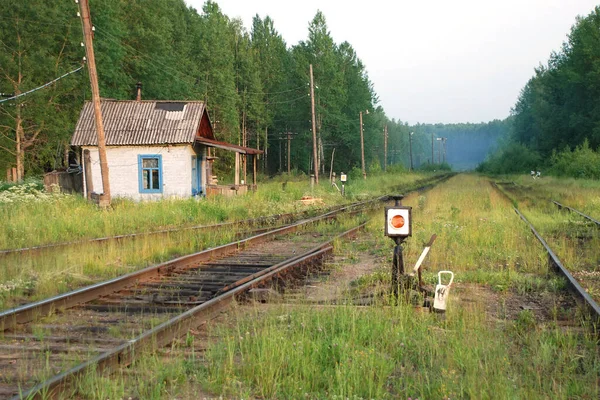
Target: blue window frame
(150,173)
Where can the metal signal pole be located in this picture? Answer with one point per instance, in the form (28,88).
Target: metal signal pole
(91,62)
(314,126)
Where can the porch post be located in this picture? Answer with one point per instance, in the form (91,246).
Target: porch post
(244,168)
(237,168)
(254,170)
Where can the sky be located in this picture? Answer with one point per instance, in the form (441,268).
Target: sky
(433,60)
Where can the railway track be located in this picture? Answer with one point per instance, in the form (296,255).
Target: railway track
(573,210)
(554,260)
(260,222)
(46,345)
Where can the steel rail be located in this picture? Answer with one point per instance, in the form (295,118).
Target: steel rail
(561,206)
(19,315)
(176,327)
(556,261)
(253,221)
(11,318)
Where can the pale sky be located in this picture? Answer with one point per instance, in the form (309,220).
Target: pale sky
(433,60)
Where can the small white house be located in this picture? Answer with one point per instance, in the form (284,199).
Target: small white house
(154,149)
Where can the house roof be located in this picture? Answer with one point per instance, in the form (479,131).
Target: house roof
(228,146)
(141,123)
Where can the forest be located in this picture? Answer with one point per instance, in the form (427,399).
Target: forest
(556,120)
(255,85)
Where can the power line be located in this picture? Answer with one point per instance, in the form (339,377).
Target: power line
(41,87)
(283,91)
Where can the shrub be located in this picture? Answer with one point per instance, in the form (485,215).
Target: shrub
(436,167)
(583,162)
(515,158)
(395,169)
(375,168)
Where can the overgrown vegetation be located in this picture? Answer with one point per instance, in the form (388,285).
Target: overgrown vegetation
(252,80)
(483,348)
(65,218)
(555,120)
(43,218)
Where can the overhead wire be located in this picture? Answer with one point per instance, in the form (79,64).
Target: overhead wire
(40,87)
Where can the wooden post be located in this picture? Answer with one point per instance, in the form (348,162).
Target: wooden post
(385,140)
(314,126)
(331,168)
(66,156)
(91,62)
(245,156)
(254,170)
(362,147)
(237,169)
(432,160)
(410,149)
(289,154)
(87,168)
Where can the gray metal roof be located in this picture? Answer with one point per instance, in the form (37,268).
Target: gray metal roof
(140,123)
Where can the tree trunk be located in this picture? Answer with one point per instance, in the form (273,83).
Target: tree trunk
(19,150)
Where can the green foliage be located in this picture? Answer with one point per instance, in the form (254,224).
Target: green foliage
(436,167)
(513,158)
(374,168)
(582,162)
(255,85)
(466,146)
(558,108)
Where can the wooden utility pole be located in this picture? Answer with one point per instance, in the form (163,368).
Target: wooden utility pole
(385,138)
(432,160)
(410,149)
(289,152)
(362,147)
(91,62)
(314,127)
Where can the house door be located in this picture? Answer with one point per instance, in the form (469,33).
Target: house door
(196,176)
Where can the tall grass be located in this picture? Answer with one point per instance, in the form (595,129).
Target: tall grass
(392,352)
(69,218)
(383,351)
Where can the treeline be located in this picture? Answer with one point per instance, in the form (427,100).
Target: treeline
(463,146)
(254,84)
(557,116)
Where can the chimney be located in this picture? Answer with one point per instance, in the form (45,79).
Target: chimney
(139,91)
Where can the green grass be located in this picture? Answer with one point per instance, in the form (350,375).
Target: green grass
(68,218)
(392,352)
(383,351)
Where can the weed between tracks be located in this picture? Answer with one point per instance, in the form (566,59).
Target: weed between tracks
(508,332)
(68,218)
(32,276)
(575,240)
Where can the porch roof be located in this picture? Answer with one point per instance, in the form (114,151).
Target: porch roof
(228,146)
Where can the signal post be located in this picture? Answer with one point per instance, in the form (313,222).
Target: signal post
(398,226)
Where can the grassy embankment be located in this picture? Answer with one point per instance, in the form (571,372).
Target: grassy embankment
(34,219)
(481,349)
(572,238)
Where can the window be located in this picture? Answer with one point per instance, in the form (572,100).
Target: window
(150,173)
